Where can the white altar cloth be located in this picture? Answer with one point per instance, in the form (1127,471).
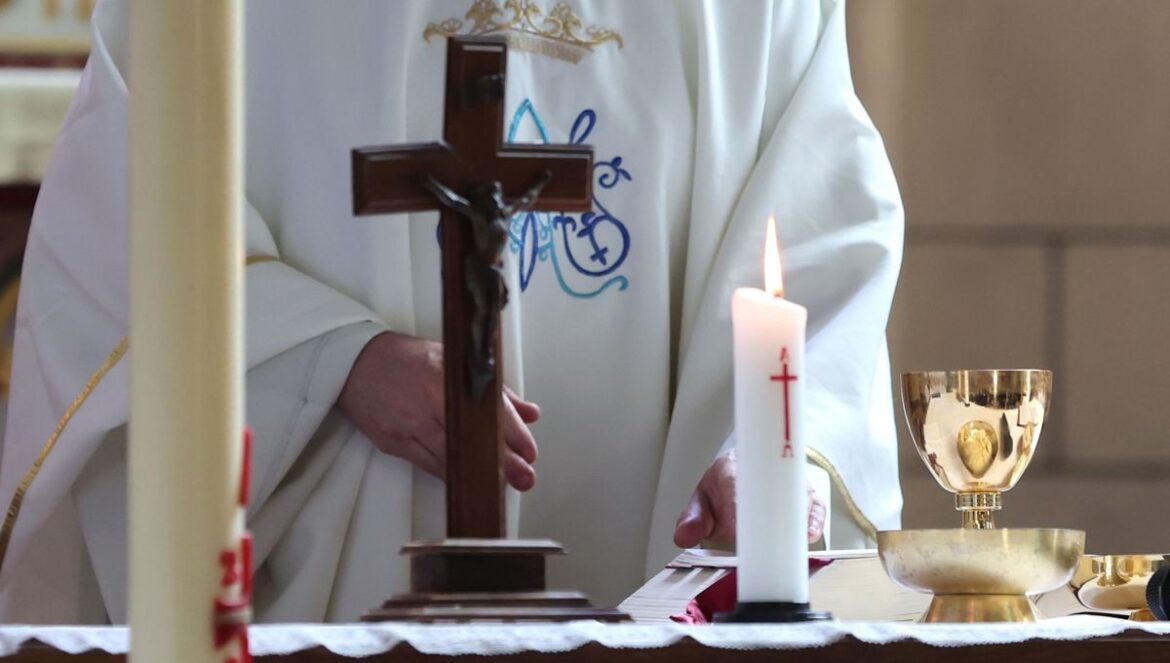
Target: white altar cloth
(357,640)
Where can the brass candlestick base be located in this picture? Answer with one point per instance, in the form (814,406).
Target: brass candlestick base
(981,575)
(1117,582)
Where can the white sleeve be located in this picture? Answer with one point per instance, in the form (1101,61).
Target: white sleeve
(288,396)
(822,171)
(286,307)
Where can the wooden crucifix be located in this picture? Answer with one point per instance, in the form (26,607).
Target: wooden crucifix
(477,182)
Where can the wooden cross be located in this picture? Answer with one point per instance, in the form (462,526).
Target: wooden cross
(472,155)
(785,378)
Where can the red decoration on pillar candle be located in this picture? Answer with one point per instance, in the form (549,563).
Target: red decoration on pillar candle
(785,378)
(232,617)
(233,607)
(246,467)
(231,569)
(246,563)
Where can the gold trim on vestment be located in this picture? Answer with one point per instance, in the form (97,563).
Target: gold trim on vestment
(559,34)
(31,475)
(855,511)
(8,300)
(259,260)
(18,497)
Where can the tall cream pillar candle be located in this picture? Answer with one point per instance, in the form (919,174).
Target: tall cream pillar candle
(771,493)
(186,334)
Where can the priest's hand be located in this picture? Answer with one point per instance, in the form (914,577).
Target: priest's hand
(394,395)
(710,515)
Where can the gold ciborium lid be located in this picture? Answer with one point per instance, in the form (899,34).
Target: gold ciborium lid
(976,431)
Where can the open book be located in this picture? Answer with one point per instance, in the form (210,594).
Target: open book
(853,587)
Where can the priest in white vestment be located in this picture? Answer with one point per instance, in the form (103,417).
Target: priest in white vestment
(706,116)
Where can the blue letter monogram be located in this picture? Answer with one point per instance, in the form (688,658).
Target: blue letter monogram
(586,251)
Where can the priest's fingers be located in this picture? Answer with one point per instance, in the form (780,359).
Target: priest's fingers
(816,516)
(517,437)
(519,473)
(529,412)
(695,523)
(719,486)
(723,506)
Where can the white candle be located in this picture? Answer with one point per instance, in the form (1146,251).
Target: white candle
(186,340)
(771,493)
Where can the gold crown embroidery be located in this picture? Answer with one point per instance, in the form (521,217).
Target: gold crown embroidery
(558,35)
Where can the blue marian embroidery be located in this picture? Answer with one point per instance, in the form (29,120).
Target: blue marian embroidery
(587,250)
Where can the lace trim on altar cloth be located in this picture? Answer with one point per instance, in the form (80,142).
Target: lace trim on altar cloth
(368,640)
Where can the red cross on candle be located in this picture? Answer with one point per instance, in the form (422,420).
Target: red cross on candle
(785,378)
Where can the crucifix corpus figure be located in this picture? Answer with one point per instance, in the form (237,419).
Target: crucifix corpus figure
(477,182)
(483,273)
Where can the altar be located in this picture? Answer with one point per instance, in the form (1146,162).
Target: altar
(1066,639)
(876,622)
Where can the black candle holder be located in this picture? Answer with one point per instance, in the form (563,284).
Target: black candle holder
(771,612)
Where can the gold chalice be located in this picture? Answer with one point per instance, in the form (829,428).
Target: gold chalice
(1117,582)
(977,431)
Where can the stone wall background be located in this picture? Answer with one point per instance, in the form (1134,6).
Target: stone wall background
(1031,140)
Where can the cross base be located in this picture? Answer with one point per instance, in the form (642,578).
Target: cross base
(486,580)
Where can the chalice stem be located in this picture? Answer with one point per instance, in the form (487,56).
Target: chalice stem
(978,509)
(978,519)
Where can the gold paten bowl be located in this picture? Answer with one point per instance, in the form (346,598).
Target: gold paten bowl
(1117,582)
(976,431)
(981,575)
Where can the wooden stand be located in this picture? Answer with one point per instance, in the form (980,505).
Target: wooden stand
(475,574)
(486,579)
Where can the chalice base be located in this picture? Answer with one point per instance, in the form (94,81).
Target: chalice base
(970,608)
(981,575)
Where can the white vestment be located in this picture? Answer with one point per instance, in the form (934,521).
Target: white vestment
(706,116)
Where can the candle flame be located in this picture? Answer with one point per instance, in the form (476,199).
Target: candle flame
(773,281)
